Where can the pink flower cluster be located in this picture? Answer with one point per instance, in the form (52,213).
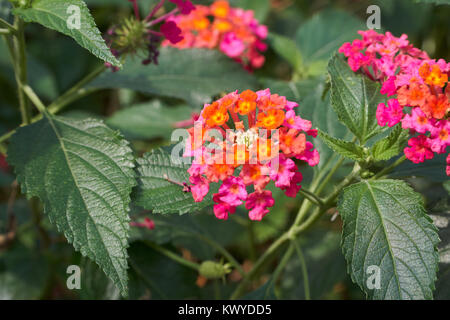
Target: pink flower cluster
(234,31)
(256,135)
(414,81)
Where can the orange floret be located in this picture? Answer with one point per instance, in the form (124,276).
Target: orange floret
(215,115)
(246,103)
(415,95)
(291,142)
(220,9)
(222,25)
(272,119)
(216,172)
(436,107)
(433,77)
(200,23)
(274,102)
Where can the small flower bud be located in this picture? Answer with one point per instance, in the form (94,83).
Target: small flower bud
(214,270)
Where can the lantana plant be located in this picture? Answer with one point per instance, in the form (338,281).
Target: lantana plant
(183,171)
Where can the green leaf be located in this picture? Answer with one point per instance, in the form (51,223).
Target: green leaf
(157,193)
(386,226)
(287,49)
(325,265)
(194,75)
(23,273)
(94,284)
(149,120)
(434,1)
(390,146)
(55,14)
(433,169)
(345,148)
(155,276)
(323,34)
(355,98)
(264,292)
(83,173)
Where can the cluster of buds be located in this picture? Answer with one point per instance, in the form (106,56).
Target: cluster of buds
(234,31)
(135,34)
(415,81)
(255,135)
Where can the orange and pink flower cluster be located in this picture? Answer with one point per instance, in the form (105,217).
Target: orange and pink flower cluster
(414,81)
(244,141)
(234,31)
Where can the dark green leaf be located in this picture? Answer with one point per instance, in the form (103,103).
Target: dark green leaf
(322,35)
(54,14)
(157,193)
(149,120)
(194,75)
(345,148)
(390,146)
(386,226)
(83,173)
(287,49)
(154,276)
(355,98)
(23,273)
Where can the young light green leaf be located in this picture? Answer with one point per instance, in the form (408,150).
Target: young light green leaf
(355,98)
(322,35)
(83,173)
(72,18)
(149,120)
(159,189)
(194,75)
(388,240)
(345,148)
(390,146)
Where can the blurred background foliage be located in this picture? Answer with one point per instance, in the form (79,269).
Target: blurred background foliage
(303,36)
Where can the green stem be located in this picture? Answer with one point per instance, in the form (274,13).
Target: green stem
(224,252)
(34,98)
(8,26)
(311,197)
(68,97)
(293,232)
(20,64)
(389,169)
(5,31)
(304,269)
(169,254)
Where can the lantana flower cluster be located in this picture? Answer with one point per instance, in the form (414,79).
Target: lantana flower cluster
(234,31)
(413,80)
(243,141)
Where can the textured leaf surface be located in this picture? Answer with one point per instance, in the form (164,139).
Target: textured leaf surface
(385,225)
(149,120)
(54,14)
(355,98)
(390,146)
(345,148)
(158,194)
(194,75)
(83,173)
(323,34)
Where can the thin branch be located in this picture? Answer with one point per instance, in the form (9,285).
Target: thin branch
(173,256)
(304,269)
